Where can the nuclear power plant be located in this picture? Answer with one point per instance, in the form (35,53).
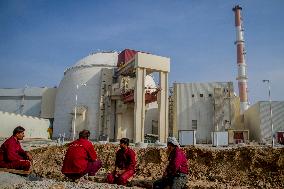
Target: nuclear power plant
(127,94)
(114,96)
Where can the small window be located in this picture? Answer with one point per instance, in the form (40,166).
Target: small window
(194,124)
(209,95)
(201,95)
(192,95)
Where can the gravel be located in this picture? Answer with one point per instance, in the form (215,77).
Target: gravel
(8,180)
(12,181)
(52,184)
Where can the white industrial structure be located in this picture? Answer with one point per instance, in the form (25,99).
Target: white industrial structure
(135,66)
(114,95)
(257,120)
(95,71)
(28,101)
(30,107)
(205,108)
(113,98)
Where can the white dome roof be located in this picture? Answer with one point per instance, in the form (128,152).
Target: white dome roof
(104,59)
(107,58)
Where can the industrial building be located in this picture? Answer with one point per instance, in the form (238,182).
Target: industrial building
(258,120)
(111,94)
(114,95)
(30,101)
(31,107)
(205,108)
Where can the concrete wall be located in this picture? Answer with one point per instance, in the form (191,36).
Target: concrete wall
(35,127)
(153,62)
(252,122)
(48,103)
(125,117)
(257,120)
(152,114)
(195,101)
(236,117)
(26,101)
(124,121)
(86,71)
(86,96)
(278,118)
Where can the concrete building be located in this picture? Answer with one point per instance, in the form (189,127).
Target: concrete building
(113,95)
(204,107)
(135,67)
(28,101)
(30,107)
(257,120)
(81,90)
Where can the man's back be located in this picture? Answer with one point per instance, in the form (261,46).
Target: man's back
(79,153)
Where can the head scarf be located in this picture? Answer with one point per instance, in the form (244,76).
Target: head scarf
(173,140)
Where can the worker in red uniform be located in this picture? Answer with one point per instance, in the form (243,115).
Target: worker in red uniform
(175,176)
(12,156)
(125,163)
(81,158)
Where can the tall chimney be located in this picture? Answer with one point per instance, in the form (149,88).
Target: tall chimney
(242,73)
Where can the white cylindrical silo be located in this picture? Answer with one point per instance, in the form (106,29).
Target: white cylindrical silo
(86,73)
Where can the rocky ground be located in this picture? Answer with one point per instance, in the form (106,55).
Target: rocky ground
(12,181)
(236,167)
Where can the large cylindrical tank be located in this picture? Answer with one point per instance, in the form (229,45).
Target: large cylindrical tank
(86,73)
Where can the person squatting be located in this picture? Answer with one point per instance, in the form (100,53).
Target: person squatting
(81,159)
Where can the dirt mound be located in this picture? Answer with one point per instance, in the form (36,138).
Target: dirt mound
(209,167)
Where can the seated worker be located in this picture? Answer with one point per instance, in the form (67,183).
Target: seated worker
(12,154)
(124,164)
(81,158)
(175,175)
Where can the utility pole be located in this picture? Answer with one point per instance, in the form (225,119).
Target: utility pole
(75,112)
(270,107)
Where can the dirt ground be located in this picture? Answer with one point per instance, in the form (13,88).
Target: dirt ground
(238,167)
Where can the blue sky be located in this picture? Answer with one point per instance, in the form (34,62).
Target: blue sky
(39,39)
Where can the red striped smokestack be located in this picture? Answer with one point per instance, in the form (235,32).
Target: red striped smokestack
(242,73)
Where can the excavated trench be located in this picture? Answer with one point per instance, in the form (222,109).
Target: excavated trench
(238,167)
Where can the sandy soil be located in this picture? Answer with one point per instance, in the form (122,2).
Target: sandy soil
(233,167)
(238,167)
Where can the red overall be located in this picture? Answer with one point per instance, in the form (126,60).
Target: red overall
(125,160)
(80,159)
(12,156)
